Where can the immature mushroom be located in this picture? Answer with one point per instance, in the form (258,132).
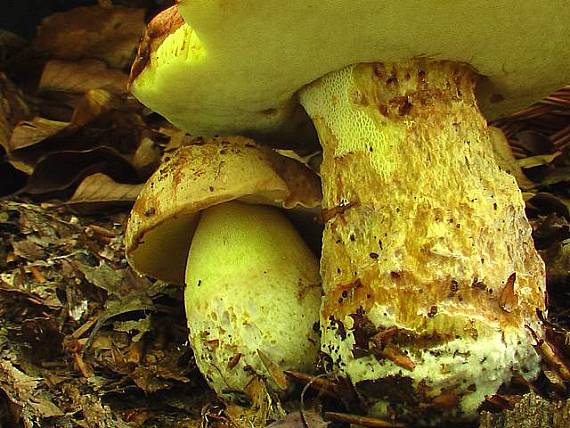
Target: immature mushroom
(432,283)
(252,284)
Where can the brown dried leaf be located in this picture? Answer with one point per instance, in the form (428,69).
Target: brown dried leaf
(548,203)
(29,133)
(82,76)
(398,357)
(59,171)
(263,407)
(531,411)
(362,420)
(10,43)
(505,158)
(108,34)
(17,385)
(296,420)
(100,188)
(534,142)
(28,249)
(177,138)
(538,160)
(92,105)
(13,109)
(508,297)
(147,157)
(558,266)
(276,372)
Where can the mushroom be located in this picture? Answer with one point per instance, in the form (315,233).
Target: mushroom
(433,287)
(208,218)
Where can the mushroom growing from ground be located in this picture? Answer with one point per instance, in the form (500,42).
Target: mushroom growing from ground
(433,288)
(208,218)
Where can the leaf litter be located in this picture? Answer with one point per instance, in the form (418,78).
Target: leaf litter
(85,341)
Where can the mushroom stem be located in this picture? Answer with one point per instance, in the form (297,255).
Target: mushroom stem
(252,285)
(428,266)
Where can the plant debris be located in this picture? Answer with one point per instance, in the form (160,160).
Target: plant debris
(86,341)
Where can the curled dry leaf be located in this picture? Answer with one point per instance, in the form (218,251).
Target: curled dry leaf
(10,44)
(147,156)
(538,160)
(295,420)
(101,190)
(276,372)
(93,105)
(82,76)
(59,171)
(505,159)
(32,132)
(13,109)
(108,34)
(558,267)
(38,147)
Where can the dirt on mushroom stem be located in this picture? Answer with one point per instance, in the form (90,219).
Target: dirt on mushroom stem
(429,265)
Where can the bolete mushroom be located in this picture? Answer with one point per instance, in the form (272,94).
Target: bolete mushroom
(208,218)
(433,288)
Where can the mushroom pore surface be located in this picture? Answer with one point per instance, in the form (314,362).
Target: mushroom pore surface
(430,275)
(252,285)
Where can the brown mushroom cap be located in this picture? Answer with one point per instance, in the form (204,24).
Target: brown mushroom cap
(235,67)
(201,175)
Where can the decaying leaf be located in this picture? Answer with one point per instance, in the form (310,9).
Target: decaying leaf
(13,109)
(10,43)
(276,372)
(263,407)
(29,133)
(82,76)
(504,157)
(538,160)
(300,420)
(58,171)
(531,411)
(100,189)
(109,34)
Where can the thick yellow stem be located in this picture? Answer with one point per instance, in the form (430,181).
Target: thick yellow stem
(429,269)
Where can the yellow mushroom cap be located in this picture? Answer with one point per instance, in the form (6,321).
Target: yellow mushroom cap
(201,175)
(235,67)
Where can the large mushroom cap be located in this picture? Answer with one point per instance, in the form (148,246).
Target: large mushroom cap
(235,67)
(199,176)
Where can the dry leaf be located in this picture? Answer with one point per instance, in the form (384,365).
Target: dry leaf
(94,104)
(21,148)
(81,76)
(537,160)
(13,109)
(108,34)
(508,297)
(58,171)
(534,142)
(295,420)
(10,43)
(276,372)
(34,131)
(505,159)
(100,188)
(147,156)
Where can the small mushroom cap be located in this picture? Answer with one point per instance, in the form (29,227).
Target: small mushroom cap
(235,67)
(201,175)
